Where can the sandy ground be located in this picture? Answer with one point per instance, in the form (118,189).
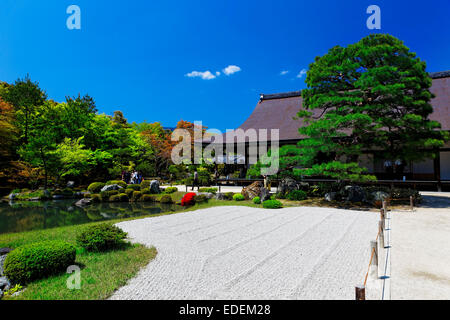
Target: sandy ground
(421,250)
(251,253)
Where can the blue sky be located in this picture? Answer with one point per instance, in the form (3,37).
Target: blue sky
(134,55)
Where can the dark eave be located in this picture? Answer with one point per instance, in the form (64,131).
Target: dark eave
(440,74)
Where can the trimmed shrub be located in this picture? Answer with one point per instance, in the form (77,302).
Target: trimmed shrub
(114,198)
(101,237)
(297,195)
(188,199)
(67,192)
(96,187)
(209,190)
(170,190)
(145,184)
(136,195)
(257,200)
(147,198)
(96,197)
(135,187)
(129,192)
(238,197)
(108,194)
(38,260)
(272,204)
(200,198)
(228,195)
(145,191)
(123,197)
(165,198)
(121,183)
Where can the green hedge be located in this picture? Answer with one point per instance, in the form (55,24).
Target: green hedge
(136,195)
(96,187)
(38,260)
(238,197)
(135,187)
(108,194)
(101,237)
(210,190)
(200,198)
(165,198)
(145,184)
(169,190)
(297,195)
(272,204)
(147,198)
(129,192)
(257,200)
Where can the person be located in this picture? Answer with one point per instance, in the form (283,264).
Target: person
(399,168)
(388,167)
(195,182)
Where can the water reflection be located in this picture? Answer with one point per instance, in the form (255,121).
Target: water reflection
(24,216)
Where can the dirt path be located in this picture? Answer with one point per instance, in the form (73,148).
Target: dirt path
(249,253)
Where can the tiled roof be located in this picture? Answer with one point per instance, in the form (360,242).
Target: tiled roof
(278,111)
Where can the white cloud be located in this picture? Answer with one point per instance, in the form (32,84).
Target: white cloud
(231,69)
(206,75)
(284,72)
(301,73)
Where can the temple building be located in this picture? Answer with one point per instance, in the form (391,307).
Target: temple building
(278,111)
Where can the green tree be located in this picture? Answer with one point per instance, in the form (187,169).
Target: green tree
(25,95)
(371,95)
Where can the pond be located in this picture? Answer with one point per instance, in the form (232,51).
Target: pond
(27,215)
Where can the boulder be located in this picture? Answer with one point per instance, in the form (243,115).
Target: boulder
(207,195)
(2,262)
(70,184)
(111,187)
(330,196)
(253,190)
(47,194)
(379,195)
(220,196)
(288,184)
(264,195)
(4,251)
(83,202)
(81,194)
(355,193)
(12,196)
(58,197)
(4,284)
(154,187)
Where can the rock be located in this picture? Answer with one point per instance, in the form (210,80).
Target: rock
(288,184)
(1,294)
(34,199)
(12,196)
(4,284)
(264,195)
(81,194)
(83,202)
(331,196)
(70,184)
(154,187)
(379,195)
(2,262)
(207,195)
(47,194)
(58,197)
(4,251)
(220,196)
(253,190)
(111,187)
(355,193)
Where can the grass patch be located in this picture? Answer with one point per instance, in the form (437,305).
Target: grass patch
(101,273)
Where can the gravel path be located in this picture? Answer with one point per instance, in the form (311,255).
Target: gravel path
(250,253)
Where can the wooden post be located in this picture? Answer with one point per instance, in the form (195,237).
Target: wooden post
(411,202)
(384,205)
(381,236)
(383,217)
(374,262)
(360,292)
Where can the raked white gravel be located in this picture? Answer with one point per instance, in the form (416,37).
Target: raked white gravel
(237,252)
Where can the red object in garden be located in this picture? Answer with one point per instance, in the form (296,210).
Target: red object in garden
(188,199)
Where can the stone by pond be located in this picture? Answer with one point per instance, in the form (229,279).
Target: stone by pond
(25,216)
